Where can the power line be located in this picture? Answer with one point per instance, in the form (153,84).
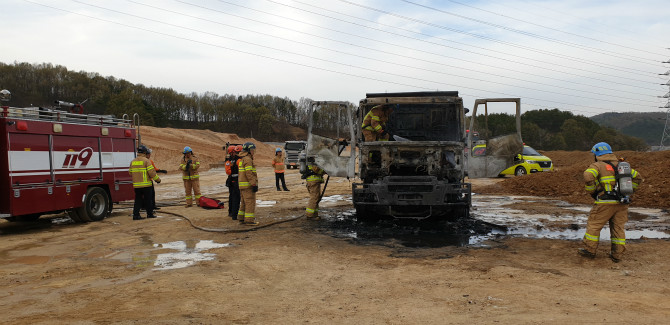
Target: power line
(438,44)
(292,62)
(613,67)
(386,52)
(592,49)
(551,28)
(563,14)
(324,60)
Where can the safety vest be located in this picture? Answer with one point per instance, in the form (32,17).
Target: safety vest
(192,172)
(142,172)
(247,171)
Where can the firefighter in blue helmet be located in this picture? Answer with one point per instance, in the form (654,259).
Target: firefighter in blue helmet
(189,166)
(609,181)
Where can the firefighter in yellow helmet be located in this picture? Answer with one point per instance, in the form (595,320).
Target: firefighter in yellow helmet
(610,182)
(189,166)
(314,180)
(142,172)
(248,183)
(374,123)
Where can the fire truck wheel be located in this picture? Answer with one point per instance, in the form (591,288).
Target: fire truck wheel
(96,205)
(74,215)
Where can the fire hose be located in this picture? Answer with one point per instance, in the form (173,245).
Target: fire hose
(222,230)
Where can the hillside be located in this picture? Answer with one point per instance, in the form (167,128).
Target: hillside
(167,145)
(647,126)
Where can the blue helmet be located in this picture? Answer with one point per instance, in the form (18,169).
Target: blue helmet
(277,150)
(601,148)
(187,149)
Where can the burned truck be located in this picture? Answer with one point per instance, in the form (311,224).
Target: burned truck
(420,172)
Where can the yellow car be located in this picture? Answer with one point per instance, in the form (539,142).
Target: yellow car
(530,161)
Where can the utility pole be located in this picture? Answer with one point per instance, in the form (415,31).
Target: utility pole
(665,139)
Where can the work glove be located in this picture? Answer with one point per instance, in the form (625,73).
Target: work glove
(594,195)
(254,188)
(383,133)
(162,171)
(158,181)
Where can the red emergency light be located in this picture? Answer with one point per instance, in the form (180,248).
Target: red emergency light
(127,133)
(22,126)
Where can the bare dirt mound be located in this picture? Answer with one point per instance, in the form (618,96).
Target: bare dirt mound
(168,143)
(567,183)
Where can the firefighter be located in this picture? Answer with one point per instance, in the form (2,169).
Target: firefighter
(278,164)
(374,123)
(314,179)
(189,166)
(153,190)
(609,206)
(248,182)
(143,173)
(232,181)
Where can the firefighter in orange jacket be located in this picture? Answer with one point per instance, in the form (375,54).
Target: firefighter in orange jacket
(609,207)
(143,173)
(189,166)
(278,164)
(314,180)
(374,123)
(248,183)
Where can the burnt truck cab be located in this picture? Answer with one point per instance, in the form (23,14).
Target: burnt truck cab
(420,174)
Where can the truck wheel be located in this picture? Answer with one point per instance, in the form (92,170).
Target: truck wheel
(520,171)
(74,215)
(96,205)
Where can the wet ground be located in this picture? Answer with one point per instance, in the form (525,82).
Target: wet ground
(492,217)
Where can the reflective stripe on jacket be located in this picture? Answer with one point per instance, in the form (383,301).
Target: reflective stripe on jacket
(278,164)
(247,171)
(600,177)
(317,175)
(192,172)
(375,120)
(142,172)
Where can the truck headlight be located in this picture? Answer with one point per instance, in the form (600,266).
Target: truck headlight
(531,161)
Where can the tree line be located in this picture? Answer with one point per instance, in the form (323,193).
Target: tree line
(265,117)
(553,129)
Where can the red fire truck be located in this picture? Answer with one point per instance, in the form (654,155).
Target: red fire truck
(53,160)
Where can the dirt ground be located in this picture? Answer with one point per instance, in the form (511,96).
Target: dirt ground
(163,271)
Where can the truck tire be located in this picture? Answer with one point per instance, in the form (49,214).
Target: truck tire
(96,205)
(74,215)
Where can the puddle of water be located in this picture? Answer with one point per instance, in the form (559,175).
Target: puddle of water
(184,256)
(265,204)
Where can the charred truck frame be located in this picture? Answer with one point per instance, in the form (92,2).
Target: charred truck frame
(421,174)
(418,176)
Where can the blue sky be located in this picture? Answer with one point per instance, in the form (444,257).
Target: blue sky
(588,57)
